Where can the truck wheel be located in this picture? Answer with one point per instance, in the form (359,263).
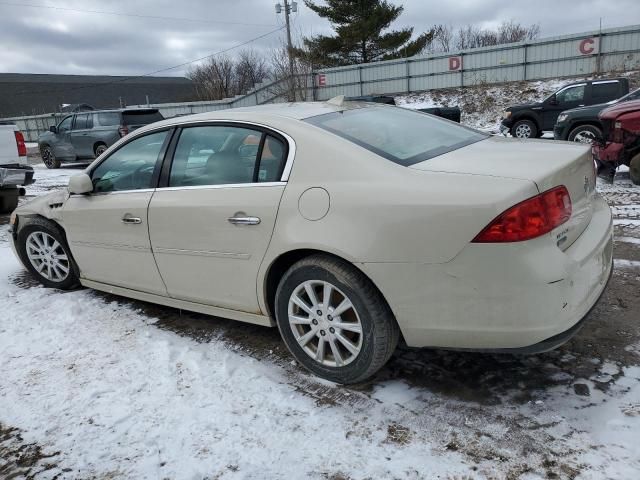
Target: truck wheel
(44,251)
(9,200)
(524,129)
(49,158)
(634,169)
(585,134)
(100,149)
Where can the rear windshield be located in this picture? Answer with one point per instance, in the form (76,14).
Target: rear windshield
(141,118)
(403,136)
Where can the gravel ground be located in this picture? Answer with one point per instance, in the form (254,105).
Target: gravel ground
(570,413)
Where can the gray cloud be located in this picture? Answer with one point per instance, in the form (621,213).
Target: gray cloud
(40,40)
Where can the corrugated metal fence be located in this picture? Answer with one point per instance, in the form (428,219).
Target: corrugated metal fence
(583,54)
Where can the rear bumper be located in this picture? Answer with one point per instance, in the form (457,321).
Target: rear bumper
(526,296)
(16,175)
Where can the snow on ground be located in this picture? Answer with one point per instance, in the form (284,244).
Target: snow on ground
(482,105)
(103,387)
(52,179)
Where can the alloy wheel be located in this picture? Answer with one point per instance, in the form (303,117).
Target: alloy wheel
(585,136)
(47,256)
(47,157)
(523,131)
(325,323)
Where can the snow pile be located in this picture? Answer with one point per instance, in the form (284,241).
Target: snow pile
(482,105)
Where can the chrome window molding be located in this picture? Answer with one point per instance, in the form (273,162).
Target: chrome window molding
(114,192)
(120,143)
(223,185)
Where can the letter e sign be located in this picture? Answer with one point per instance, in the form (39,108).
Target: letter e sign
(322,80)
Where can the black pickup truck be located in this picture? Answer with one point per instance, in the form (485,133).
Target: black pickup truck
(582,124)
(531,119)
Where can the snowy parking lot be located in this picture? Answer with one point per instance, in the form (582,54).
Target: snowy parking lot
(98,386)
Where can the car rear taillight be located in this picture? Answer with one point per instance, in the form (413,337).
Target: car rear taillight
(529,219)
(22,147)
(123,130)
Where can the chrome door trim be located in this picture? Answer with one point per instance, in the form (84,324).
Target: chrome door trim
(96,194)
(223,185)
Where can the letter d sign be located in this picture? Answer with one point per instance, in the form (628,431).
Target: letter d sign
(455,63)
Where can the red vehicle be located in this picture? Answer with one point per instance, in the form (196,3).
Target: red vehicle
(620,144)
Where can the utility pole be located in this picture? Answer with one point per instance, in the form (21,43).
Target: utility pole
(288,8)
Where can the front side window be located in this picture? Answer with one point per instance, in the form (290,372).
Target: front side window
(222,155)
(130,167)
(65,125)
(571,94)
(401,135)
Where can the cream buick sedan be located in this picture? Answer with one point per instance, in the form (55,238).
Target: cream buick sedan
(347,225)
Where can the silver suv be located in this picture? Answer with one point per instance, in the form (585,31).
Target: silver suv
(86,135)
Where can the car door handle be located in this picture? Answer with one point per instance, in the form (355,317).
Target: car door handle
(131,220)
(237,220)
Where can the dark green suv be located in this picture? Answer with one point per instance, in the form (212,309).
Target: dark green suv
(582,124)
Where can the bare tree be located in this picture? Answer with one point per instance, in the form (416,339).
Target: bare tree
(222,76)
(443,38)
(284,83)
(472,36)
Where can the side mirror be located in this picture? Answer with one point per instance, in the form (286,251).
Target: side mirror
(80,184)
(53,129)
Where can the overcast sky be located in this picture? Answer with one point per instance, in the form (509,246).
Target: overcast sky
(34,39)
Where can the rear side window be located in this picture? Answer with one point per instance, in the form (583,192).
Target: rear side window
(603,92)
(141,118)
(223,155)
(403,136)
(108,119)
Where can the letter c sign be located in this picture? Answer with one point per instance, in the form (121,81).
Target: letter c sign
(455,63)
(587,46)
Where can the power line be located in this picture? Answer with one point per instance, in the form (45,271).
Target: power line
(173,67)
(135,15)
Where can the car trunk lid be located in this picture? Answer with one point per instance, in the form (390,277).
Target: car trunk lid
(547,164)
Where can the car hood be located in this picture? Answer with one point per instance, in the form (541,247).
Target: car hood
(523,106)
(620,108)
(589,110)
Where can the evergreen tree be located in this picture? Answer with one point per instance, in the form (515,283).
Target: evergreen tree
(359,25)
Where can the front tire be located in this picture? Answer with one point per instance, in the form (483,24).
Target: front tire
(524,129)
(333,320)
(585,134)
(44,252)
(48,157)
(634,169)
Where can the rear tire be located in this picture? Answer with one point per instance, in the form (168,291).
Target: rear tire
(585,134)
(524,129)
(9,200)
(43,250)
(48,157)
(355,327)
(100,149)
(634,169)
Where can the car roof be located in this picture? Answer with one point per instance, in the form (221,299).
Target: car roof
(264,113)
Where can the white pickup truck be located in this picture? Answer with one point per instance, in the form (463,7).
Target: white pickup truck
(15,173)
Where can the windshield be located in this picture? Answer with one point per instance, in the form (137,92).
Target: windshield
(635,95)
(403,136)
